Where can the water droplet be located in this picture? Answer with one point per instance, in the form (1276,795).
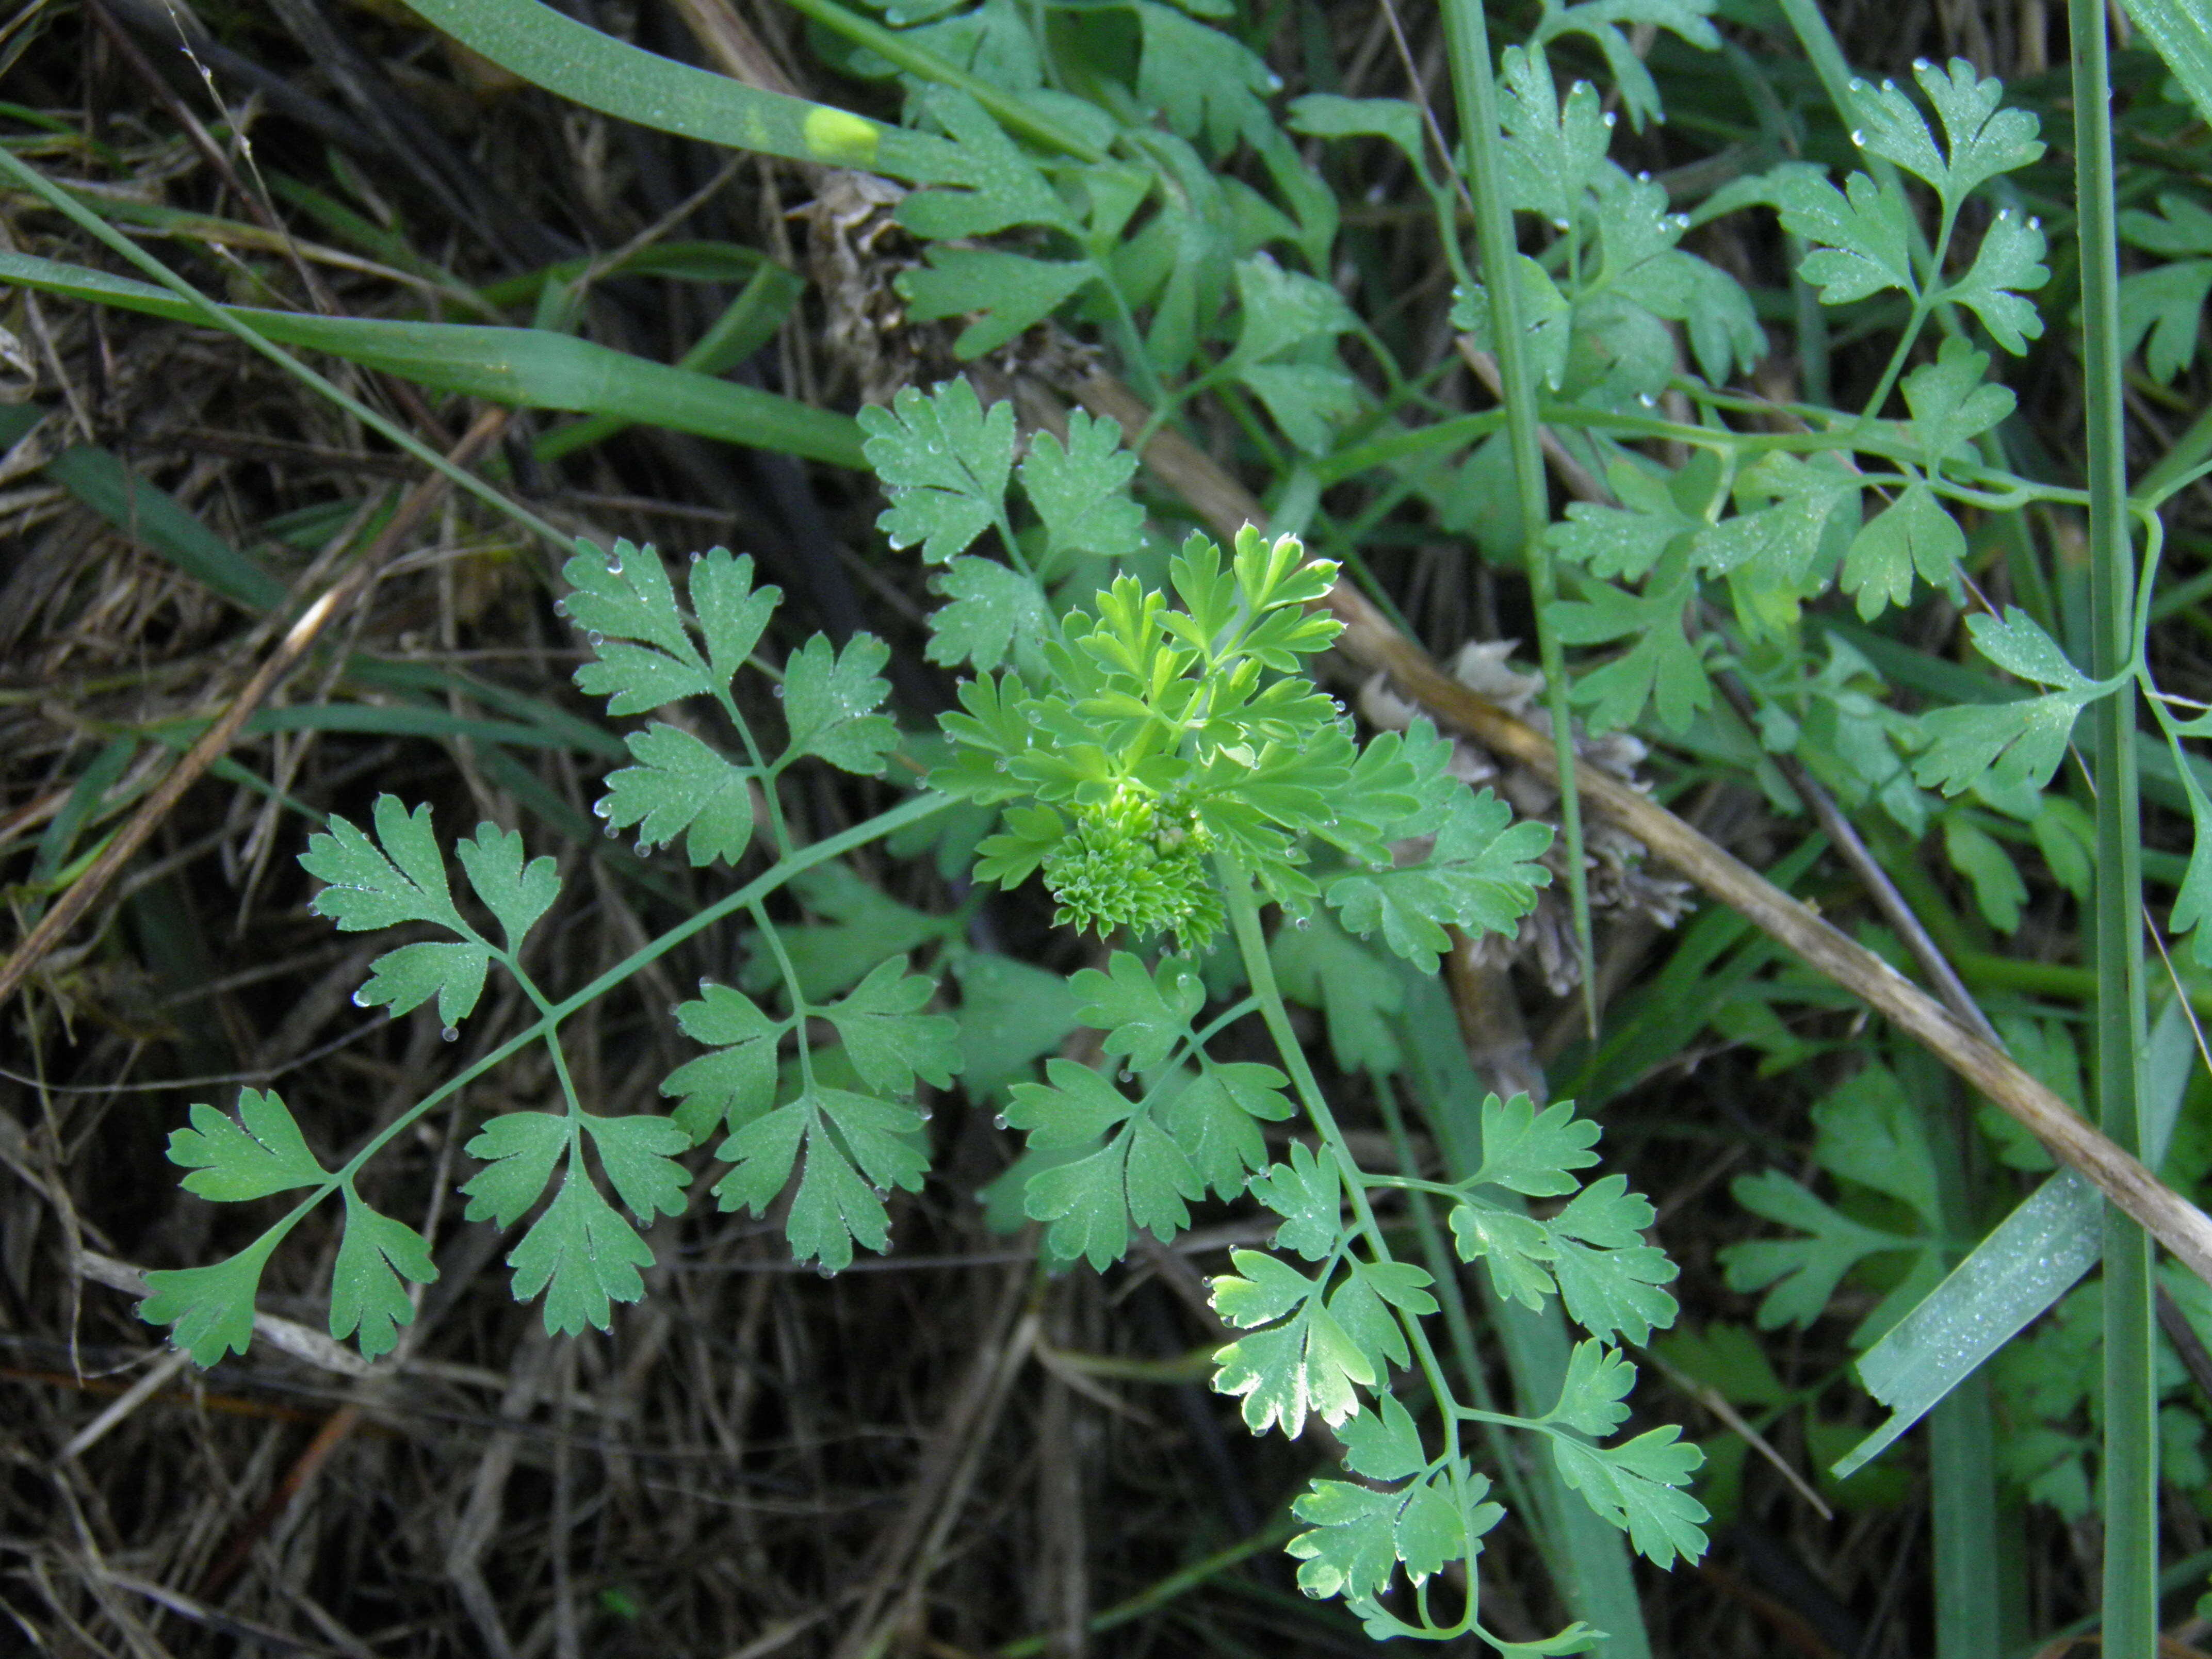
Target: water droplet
(1921,66)
(595,638)
(1858,136)
(560,607)
(1000,1121)
(925,1114)
(600,808)
(696,558)
(1558,224)
(644,846)
(360,998)
(2034,224)
(881,1193)
(613,831)
(1858,85)
(1301,922)
(1126,1075)
(824,1270)
(779,690)
(450,1034)
(1888,85)
(1612,116)
(1644,176)
(1647,400)
(614,564)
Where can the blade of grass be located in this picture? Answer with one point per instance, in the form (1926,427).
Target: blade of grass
(2130,1460)
(575,62)
(526,367)
(152,516)
(203,309)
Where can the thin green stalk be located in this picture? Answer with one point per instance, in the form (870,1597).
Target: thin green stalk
(2131,1461)
(1467,39)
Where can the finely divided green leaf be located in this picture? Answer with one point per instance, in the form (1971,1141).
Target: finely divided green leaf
(944,463)
(1145,1013)
(1530,1150)
(259,1153)
(888,1038)
(830,698)
(366,1295)
(209,1310)
(582,1256)
(516,893)
(736,1083)
(1480,875)
(682,785)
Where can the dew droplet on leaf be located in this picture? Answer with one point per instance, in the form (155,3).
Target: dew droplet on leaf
(450,1034)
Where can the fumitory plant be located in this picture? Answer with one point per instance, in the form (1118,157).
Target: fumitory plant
(1716,561)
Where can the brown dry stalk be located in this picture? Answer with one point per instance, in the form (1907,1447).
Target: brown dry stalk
(1371,640)
(83,892)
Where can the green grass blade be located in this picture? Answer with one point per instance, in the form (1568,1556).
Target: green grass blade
(749,323)
(2131,1461)
(156,518)
(528,367)
(2181,30)
(578,62)
(2031,1259)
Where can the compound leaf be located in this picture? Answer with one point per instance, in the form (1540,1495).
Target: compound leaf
(1664,668)
(1306,1194)
(1608,1277)
(887,1038)
(1862,237)
(985,184)
(1204,83)
(1803,1272)
(2011,258)
(518,1150)
(1594,1396)
(1008,292)
(1306,1365)
(1530,1150)
(1953,401)
(1479,875)
(626,595)
(1518,1250)
(1637,1486)
(405,979)
(1984,140)
(366,1292)
(581,1255)
(992,609)
(516,893)
(682,785)
(259,1153)
(1081,491)
(1914,533)
(366,889)
(1383,1444)
(736,1083)
(1212,1117)
(830,698)
(732,613)
(1553,152)
(833,1207)
(209,1310)
(2014,744)
(1144,1012)
(639,1154)
(943,462)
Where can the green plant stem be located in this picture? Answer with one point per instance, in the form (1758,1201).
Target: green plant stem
(1468,42)
(2130,1460)
(1260,970)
